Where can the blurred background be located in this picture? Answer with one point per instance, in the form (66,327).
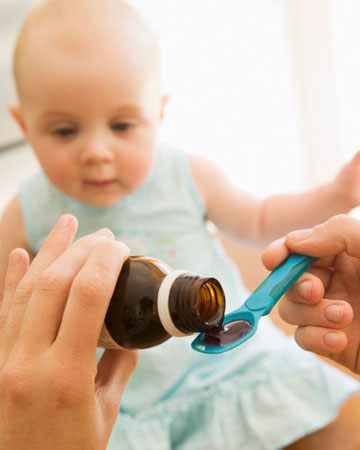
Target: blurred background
(268,89)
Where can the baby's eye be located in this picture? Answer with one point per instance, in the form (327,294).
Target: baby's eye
(64,132)
(121,126)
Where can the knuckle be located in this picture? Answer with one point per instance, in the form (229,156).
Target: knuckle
(87,241)
(16,384)
(23,292)
(344,232)
(69,390)
(89,289)
(332,232)
(107,244)
(22,386)
(338,220)
(50,280)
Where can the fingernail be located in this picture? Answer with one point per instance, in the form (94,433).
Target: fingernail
(63,222)
(304,289)
(300,235)
(334,313)
(105,232)
(14,257)
(331,339)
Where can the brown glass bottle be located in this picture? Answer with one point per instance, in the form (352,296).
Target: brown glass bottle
(151,303)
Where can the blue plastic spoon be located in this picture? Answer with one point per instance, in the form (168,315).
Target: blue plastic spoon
(239,325)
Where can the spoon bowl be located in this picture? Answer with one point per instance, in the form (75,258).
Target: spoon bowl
(239,325)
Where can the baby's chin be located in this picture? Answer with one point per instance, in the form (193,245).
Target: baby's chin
(102,202)
(100,195)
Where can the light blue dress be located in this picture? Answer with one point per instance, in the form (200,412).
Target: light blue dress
(265,394)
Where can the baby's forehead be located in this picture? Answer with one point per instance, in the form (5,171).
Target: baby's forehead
(77,25)
(84,28)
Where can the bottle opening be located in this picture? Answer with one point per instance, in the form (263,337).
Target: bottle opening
(196,303)
(210,303)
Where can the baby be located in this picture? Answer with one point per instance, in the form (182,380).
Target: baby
(90,105)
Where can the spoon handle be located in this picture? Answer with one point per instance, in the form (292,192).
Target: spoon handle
(278,282)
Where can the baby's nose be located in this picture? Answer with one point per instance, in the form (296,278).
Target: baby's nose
(96,151)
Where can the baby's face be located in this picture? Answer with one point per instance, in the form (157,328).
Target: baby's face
(92,122)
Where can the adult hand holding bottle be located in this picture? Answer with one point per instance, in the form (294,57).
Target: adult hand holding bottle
(325,301)
(52,394)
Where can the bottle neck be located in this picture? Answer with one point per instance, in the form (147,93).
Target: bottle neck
(188,303)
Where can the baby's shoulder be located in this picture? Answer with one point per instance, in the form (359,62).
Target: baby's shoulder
(12,230)
(12,235)
(12,212)
(205,174)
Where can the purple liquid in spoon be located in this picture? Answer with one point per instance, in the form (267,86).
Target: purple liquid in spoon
(227,334)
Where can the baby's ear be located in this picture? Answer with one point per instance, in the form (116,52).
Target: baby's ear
(163,102)
(16,113)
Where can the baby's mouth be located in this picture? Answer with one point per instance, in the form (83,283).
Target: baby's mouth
(100,183)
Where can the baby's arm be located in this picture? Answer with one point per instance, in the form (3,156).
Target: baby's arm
(261,221)
(12,235)
(232,210)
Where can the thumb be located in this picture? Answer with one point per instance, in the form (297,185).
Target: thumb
(339,234)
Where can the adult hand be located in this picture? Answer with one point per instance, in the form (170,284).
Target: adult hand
(52,394)
(325,301)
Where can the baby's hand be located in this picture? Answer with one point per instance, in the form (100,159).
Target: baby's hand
(346,185)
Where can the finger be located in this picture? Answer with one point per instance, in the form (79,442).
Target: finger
(279,250)
(275,253)
(308,289)
(326,313)
(18,264)
(113,372)
(55,244)
(58,240)
(338,234)
(46,307)
(323,341)
(89,298)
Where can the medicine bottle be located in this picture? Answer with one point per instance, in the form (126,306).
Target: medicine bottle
(152,302)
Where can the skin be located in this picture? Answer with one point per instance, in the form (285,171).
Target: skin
(48,374)
(324,302)
(90,110)
(90,106)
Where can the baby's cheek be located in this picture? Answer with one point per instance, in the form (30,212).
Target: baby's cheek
(60,172)
(140,166)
